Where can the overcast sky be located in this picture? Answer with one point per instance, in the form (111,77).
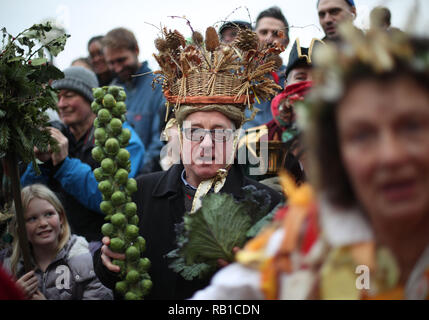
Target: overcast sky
(84,19)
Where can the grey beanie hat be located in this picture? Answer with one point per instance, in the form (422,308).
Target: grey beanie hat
(78,79)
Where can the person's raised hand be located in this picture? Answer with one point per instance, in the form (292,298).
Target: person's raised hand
(108,255)
(63,145)
(42,156)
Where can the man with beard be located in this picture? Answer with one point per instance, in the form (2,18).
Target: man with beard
(121,52)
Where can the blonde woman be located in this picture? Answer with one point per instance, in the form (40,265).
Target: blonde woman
(63,264)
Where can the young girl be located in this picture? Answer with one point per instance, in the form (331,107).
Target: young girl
(63,263)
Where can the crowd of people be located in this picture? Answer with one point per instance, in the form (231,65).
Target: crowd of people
(347,118)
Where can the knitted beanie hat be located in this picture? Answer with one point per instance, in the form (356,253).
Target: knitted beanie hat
(78,79)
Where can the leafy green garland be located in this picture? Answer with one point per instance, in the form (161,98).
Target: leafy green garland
(25,94)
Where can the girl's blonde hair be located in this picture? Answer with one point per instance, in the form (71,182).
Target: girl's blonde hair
(29,193)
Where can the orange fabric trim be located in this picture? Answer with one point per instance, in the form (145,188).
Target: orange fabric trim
(269,280)
(208,99)
(292,223)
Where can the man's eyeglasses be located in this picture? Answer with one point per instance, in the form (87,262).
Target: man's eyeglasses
(198,134)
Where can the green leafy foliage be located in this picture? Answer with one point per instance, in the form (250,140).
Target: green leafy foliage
(25,94)
(116,189)
(212,232)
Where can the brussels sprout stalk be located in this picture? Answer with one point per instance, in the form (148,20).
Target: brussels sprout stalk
(116,189)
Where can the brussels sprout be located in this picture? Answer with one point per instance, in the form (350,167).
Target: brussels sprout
(134,220)
(98,154)
(106,207)
(105,187)
(95,107)
(100,134)
(108,166)
(107,229)
(122,96)
(132,232)
(131,185)
(144,265)
(121,287)
(132,253)
(119,109)
(132,276)
(123,156)
(118,198)
(117,245)
(104,116)
(118,219)
(98,174)
(146,285)
(116,126)
(121,176)
(109,101)
(130,209)
(131,296)
(112,146)
(141,242)
(124,137)
(145,275)
(114,91)
(98,93)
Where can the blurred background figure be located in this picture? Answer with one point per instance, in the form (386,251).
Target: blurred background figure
(332,13)
(271,27)
(229,30)
(97,61)
(82,62)
(144,102)
(380,18)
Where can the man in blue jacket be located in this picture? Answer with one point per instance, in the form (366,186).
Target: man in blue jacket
(121,52)
(69,172)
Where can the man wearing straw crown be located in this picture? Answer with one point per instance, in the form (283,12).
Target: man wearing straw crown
(209,85)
